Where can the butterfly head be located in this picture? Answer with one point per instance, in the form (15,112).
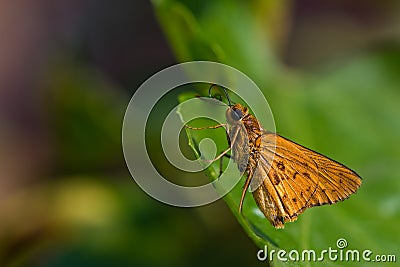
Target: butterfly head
(236,113)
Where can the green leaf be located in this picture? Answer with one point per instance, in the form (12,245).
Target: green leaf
(207,31)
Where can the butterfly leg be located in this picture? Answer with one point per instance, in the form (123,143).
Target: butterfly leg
(245,187)
(207,127)
(220,156)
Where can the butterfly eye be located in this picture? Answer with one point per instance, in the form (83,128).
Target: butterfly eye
(236,114)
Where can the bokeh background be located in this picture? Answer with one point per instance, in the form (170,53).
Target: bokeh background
(69,68)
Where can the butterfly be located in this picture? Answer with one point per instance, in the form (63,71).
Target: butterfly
(286,178)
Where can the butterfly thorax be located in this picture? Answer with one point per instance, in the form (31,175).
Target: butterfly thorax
(244,137)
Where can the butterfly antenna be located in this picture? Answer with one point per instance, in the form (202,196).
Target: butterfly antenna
(226,94)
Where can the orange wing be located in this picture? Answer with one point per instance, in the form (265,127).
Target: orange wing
(292,178)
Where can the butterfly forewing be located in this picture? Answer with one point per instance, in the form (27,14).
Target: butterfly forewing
(295,178)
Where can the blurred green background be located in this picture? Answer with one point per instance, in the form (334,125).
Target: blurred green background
(329,69)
